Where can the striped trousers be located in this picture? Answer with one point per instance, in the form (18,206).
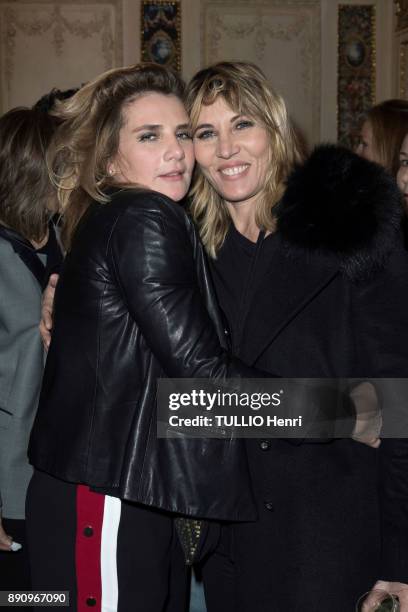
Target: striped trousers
(111,555)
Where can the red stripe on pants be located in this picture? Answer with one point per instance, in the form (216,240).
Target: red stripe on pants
(89,507)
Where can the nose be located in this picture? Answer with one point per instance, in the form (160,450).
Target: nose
(226,145)
(174,150)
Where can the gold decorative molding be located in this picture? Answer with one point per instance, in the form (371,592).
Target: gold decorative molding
(402,14)
(403,69)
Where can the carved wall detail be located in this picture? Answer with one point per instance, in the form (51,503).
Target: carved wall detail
(55,43)
(402,14)
(59,22)
(262,31)
(275,35)
(403,68)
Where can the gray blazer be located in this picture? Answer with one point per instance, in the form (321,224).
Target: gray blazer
(21,366)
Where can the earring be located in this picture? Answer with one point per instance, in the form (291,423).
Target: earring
(111,171)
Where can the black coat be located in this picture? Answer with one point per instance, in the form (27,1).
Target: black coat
(332,302)
(134,303)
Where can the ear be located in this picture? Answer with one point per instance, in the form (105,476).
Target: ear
(111,169)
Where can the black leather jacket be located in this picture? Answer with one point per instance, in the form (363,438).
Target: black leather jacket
(134,303)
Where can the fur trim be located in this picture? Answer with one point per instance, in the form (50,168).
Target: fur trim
(343,206)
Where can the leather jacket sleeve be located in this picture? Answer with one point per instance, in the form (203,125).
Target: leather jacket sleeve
(152,248)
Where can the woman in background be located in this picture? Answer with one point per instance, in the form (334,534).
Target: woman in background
(312,278)
(28,252)
(382,133)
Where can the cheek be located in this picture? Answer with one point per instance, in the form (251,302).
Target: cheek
(189,157)
(203,156)
(135,163)
(401,177)
(264,159)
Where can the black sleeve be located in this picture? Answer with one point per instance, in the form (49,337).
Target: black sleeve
(381,311)
(153,260)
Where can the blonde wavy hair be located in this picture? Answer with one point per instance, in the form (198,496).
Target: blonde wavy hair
(88,138)
(246,90)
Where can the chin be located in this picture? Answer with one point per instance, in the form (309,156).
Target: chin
(175,194)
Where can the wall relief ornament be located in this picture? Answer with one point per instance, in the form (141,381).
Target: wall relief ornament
(356,69)
(80,21)
(402,14)
(274,34)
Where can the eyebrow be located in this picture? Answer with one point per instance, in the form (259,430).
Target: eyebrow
(210,125)
(403,154)
(158,126)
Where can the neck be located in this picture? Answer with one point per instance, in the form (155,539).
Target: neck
(41,243)
(243,218)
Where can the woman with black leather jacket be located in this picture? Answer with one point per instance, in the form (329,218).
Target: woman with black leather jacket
(134,303)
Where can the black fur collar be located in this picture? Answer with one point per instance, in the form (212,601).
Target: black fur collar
(344,207)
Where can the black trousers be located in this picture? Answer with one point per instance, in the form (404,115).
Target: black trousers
(14,566)
(137,565)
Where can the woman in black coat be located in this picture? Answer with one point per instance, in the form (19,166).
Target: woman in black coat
(313,279)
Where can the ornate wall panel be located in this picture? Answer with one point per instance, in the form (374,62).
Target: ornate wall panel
(401,14)
(55,44)
(282,37)
(402,76)
(401,44)
(356,69)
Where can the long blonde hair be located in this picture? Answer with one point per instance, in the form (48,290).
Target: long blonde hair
(247,91)
(88,138)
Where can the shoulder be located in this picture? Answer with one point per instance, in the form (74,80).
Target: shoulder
(11,265)
(140,202)
(129,212)
(344,207)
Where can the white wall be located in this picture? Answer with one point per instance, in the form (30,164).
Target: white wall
(63,44)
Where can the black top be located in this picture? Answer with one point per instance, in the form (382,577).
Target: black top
(235,279)
(28,254)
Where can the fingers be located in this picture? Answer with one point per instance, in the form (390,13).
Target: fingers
(46,310)
(45,335)
(5,541)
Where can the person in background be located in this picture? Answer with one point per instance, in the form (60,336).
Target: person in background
(303,255)
(28,253)
(382,133)
(48,101)
(402,174)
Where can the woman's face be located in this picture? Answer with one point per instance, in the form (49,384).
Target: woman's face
(233,152)
(155,146)
(402,174)
(366,146)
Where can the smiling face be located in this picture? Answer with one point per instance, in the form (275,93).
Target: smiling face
(402,175)
(233,152)
(155,146)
